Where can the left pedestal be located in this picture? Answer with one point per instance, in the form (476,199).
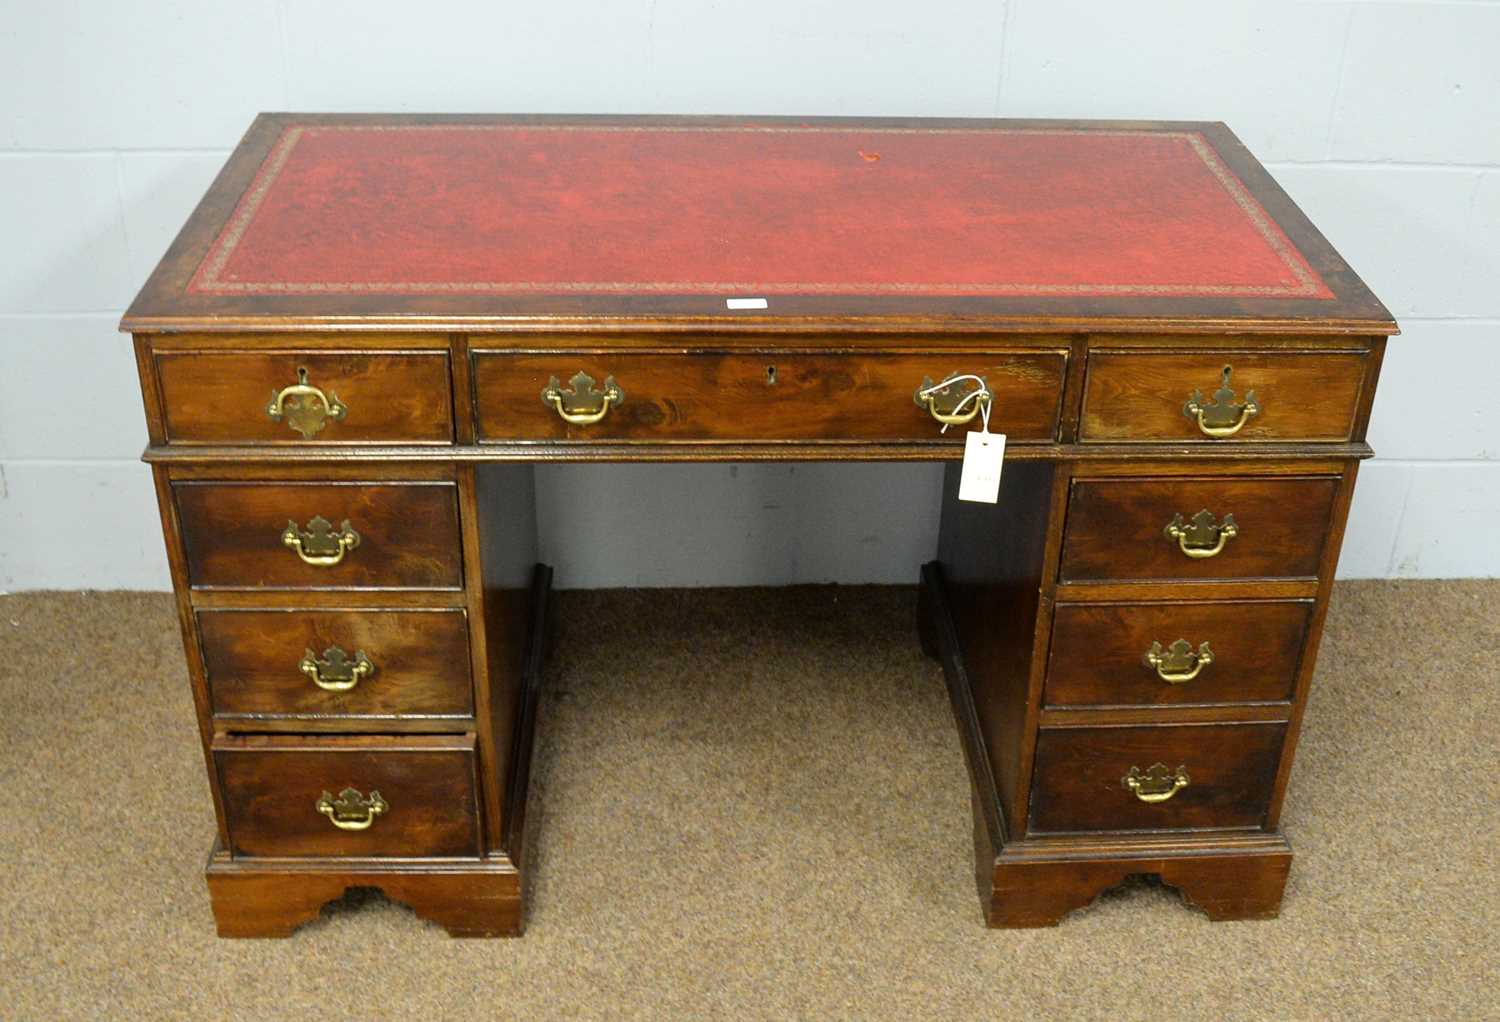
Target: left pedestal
(365,646)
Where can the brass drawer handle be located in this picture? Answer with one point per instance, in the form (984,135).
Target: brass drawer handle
(1178,664)
(304,407)
(335,672)
(351,810)
(1205,537)
(583,405)
(944,401)
(1223,417)
(319,545)
(1157,783)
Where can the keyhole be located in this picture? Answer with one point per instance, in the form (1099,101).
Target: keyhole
(770,376)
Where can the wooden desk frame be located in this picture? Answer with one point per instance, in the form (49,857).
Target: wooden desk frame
(988,601)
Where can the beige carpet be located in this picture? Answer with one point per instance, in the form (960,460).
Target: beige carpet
(752,804)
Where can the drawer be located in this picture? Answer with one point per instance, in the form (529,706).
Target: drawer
(398,536)
(1157,396)
(785,396)
(1079,782)
(325,397)
(1145,654)
(1166,528)
(359,667)
(362,797)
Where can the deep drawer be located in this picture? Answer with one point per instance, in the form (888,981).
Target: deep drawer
(1168,528)
(1079,781)
(356,667)
(405,796)
(405,535)
(782,396)
(1114,654)
(325,397)
(1151,395)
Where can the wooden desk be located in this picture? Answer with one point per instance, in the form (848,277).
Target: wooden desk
(372,328)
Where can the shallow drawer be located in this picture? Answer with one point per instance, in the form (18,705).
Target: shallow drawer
(357,667)
(361,797)
(785,396)
(1159,396)
(1115,654)
(296,535)
(1169,528)
(1205,775)
(326,397)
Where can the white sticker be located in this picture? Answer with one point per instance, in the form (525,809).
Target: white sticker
(980,479)
(747,303)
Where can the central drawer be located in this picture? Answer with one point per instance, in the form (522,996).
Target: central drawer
(304,535)
(785,395)
(357,797)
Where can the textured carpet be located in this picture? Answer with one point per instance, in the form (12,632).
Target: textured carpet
(752,804)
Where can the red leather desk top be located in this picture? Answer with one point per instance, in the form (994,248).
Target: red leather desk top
(655,213)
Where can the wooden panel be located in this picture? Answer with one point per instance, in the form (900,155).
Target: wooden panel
(272,786)
(773,396)
(994,559)
(1301,396)
(1115,527)
(408,534)
(1098,652)
(1078,784)
(222,397)
(421,663)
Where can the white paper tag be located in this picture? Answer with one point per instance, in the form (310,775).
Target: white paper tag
(747,303)
(980,479)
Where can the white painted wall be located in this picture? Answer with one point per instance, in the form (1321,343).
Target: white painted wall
(1382,120)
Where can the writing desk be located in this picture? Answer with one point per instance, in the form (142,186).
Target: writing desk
(373,327)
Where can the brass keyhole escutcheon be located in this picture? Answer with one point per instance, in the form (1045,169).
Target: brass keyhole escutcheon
(335,671)
(318,544)
(1222,417)
(350,810)
(1156,783)
(305,408)
(1204,537)
(1179,663)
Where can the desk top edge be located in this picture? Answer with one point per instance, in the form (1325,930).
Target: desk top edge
(166,305)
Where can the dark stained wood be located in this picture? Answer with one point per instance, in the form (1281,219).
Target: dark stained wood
(991,566)
(1076,785)
(782,395)
(1115,527)
(1315,633)
(272,785)
(421,663)
(1098,652)
(222,396)
(1040,892)
(468,899)
(731,451)
(408,534)
(1301,396)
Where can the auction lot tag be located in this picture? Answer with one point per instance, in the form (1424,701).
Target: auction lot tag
(980,479)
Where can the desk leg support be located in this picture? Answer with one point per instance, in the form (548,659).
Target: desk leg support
(1037,881)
